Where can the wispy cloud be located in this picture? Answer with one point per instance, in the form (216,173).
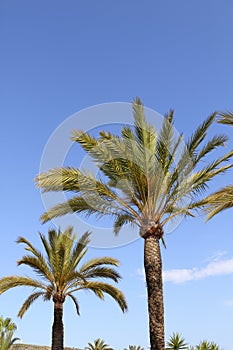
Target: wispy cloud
(216,267)
(229,303)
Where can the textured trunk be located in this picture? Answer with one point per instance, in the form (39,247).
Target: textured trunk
(153,271)
(57,330)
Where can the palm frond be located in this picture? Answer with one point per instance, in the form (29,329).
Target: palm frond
(122,220)
(99,288)
(176,341)
(199,135)
(38,265)
(165,141)
(7,283)
(79,250)
(75,302)
(85,140)
(102,272)
(59,179)
(215,142)
(80,205)
(28,302)
(225,118)
(97,262)
(219,201)
(140,124)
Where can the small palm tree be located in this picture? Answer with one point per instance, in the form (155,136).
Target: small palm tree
(7,329)
(206,345)
(61,276)
(134,347)
(98,344)
(176,342)
(222,199)
(147,181)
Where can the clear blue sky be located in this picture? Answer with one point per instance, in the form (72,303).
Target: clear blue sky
(58,57)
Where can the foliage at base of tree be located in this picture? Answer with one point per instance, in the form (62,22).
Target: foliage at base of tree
(7,329)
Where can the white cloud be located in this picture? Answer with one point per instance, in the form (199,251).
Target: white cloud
(229,303)
(214,268)
(217,267)
(216,256)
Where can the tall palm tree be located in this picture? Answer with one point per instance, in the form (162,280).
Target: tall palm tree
(98,344)
(61,275)
(222,199)
(145,183)
(176,342)
(7,329)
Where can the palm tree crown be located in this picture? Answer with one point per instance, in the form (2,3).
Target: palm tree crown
(98,344)
(134,347)
(61,274)
(206,345)
(150,180)
(176,342)
(154,185)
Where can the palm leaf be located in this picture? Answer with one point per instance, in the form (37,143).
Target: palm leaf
(28,302)
(226,118)
(75,302)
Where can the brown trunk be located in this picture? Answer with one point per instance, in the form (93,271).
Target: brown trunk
(153,271)
(58,330)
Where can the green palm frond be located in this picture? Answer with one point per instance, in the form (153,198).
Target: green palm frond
(75,205)
(102,272)
(10,282)
(7,329)
(199,135)
(79,250)
(38,266)
(75,301)
(96,262)
(85,140)
(134,347)
(101,288)
(206,345)
(215,142)
(122,220)
(225,118)
(98,344)
(28,302)
(176,342)
(59,179)
(219,201)
(142,129)
(165,141)
(7,324)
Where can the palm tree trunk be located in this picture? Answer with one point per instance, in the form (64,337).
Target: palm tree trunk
(58,329)
(153,271)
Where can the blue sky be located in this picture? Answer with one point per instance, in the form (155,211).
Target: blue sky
(59,57)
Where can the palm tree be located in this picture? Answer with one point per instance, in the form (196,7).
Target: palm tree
(176,342)
(7,329)
(206,345)
(148,185)
(222,199)
(99,344)
(134,347)
(61,275)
